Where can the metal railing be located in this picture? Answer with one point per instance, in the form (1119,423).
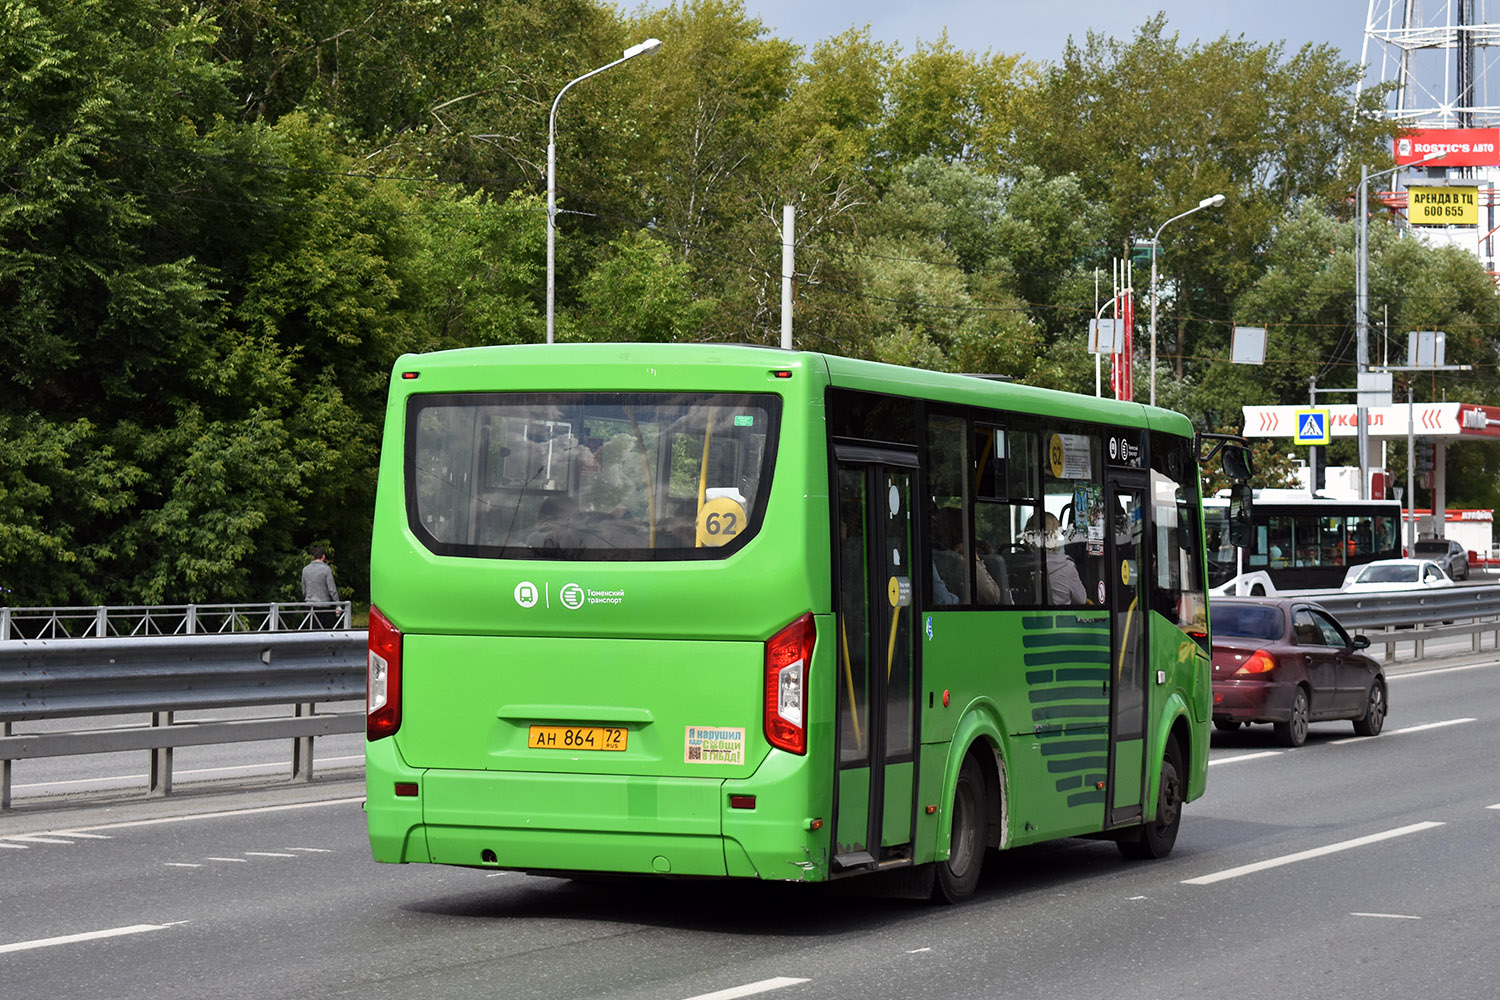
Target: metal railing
(171,619)
(86,678)
(1417,616)
(1396,608)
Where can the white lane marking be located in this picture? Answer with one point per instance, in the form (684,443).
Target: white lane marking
(86,936)
(75,831)
(1316,852)
(1400,732)
(180,864)
(33,838)
(1387,916)
(918,951)
(311,850)
(13,847)
(1245,756)
(267,854)
(750,989)
(82,836)
(1495,806)
(1436,670)
(238,861)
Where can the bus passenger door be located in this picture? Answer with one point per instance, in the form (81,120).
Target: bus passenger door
(873,811)
(1128,607)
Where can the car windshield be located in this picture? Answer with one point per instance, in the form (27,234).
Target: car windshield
(1438,547)
(1245,621)
(1389,574)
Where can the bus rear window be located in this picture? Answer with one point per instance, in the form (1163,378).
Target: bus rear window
(588,475)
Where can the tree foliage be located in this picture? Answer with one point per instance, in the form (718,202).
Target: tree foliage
(221,223)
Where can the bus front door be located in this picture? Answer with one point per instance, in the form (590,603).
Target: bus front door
(873,798)
(1128,613)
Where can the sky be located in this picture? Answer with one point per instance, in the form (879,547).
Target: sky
(1040,28)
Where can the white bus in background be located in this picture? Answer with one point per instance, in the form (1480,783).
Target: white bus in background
(1299,542)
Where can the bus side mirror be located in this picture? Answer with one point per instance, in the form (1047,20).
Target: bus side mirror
(1236,463)
(1240,530)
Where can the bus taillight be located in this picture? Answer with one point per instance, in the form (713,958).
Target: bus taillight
(383,685)
(788,654)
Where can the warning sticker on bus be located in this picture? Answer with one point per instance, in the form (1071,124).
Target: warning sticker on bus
(713,745)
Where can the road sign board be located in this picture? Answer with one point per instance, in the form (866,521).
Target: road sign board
(1312,427)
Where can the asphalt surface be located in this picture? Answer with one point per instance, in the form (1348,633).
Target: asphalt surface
(1347,867)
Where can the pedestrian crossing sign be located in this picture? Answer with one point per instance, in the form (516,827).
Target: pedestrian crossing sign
(1312,427)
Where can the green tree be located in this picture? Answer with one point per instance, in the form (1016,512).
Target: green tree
(1150,126)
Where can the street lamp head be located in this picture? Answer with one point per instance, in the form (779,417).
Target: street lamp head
(646,48)
(1436,155)
(1212,201)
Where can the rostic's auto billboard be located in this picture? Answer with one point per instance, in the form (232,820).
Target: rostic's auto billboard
(1466,147)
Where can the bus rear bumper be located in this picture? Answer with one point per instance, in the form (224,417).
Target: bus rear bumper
(562,822)
(549,822)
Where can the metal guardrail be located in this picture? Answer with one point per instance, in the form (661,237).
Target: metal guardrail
(1416,616)
(171,619)
(1412,607)
(78,678)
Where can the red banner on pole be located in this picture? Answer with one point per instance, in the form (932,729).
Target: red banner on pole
(1121,375)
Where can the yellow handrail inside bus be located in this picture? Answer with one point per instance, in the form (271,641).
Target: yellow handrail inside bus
(1125,637)
(890,648)
(859,740)
(984,458)
(708,436)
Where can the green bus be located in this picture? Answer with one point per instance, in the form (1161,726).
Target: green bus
(726,611)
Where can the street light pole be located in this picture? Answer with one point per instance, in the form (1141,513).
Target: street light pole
(646,48)
(1212,201)
(1362,311)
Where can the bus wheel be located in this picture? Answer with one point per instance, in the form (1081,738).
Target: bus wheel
(1156,838)
(957,877)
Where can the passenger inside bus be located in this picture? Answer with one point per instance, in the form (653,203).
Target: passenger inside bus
(948,564)
(1064,585)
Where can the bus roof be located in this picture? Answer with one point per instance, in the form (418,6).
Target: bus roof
(582,366)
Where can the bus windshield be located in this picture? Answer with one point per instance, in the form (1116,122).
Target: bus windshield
(588,475)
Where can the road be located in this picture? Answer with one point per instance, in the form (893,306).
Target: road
(1347,867)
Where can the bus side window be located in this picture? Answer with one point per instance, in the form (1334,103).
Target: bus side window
(1072,526)
(947,520)
(1000,550)
(1177,587)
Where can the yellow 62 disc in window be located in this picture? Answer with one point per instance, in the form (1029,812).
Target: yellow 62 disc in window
(720,521)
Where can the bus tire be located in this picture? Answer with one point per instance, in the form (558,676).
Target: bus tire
(959,875)
(1156,838)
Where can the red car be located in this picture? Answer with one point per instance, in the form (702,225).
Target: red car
(1289,662)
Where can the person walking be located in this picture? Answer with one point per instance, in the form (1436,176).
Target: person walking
(318,588)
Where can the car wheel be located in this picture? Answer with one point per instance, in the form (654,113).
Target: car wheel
(1156,838)
(957,877)
(1373,720)
(1293,732)
(1226,725)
